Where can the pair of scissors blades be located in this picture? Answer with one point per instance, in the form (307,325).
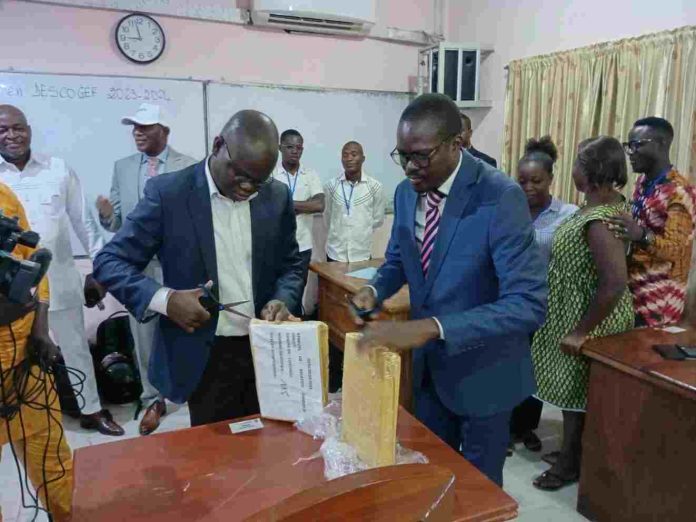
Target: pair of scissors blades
(210,303)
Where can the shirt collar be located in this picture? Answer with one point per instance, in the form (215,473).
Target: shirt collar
(363,177)
(42,160)
(213,189)
(445,188)
(162,156)
(281,170)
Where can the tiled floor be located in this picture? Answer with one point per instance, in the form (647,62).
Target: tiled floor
(535,505)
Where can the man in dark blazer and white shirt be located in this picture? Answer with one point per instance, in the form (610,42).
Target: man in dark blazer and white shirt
(462,239)
(223,221)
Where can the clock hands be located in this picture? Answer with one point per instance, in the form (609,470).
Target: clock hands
(137,27)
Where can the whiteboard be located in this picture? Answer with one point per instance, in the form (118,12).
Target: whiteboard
(327,119)
(78,118)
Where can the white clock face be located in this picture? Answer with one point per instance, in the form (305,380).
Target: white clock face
(140,38)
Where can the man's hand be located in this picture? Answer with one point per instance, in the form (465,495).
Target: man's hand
(624,227)
(105,208)
(399,335)
(277,311)
(44,350)
(185,310)
(364,299)
(94,292)
(572,343)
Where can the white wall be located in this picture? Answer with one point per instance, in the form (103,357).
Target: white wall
(522,28)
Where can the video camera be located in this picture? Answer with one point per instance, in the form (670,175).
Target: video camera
(19,276)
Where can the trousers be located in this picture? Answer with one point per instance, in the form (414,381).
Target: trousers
(68,329)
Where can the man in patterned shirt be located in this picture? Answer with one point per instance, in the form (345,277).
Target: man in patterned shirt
(661,228)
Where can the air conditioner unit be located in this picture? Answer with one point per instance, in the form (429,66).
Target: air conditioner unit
(345,17)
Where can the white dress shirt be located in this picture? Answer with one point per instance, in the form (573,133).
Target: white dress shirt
(421,209)
(232,231)
(303,186)
(353,211)
(51,194)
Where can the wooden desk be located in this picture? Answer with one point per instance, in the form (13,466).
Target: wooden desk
(639,450)
(208,474)
(334,285)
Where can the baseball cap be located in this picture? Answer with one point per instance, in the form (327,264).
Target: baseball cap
(147,114)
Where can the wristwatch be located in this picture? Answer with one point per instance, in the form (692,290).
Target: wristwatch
(648,237)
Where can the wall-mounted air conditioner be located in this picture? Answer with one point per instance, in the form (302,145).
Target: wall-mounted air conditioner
(345,17)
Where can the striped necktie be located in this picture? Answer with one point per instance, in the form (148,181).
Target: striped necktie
(152,166)
(432,223)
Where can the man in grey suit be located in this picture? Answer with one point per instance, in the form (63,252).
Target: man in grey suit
(154,157)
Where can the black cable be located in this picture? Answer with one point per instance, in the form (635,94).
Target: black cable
(28,396)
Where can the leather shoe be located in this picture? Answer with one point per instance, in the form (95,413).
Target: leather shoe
(103,422)
(151,420)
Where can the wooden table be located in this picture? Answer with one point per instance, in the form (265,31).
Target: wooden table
(639,444)
(334,285)
(209,474)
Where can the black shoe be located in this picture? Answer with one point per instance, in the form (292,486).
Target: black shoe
(531,441)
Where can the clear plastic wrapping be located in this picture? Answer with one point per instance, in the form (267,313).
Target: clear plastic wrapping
(339,457)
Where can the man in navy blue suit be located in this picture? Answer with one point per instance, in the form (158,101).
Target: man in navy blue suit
(462,239)
(223,223)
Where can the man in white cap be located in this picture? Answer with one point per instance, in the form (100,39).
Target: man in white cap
(154,157)
(51,194)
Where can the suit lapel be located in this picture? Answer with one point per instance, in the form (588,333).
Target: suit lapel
(411,253)
(258,212)
(455,205)
(172,163)
(201,215)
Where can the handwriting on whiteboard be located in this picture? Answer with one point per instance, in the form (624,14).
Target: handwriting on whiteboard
(82,92)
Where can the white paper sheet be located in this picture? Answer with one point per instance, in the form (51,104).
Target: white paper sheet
(287,362)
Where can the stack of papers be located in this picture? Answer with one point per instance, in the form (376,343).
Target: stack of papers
(291,363)
(370,401)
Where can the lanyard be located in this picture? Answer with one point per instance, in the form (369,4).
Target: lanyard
(292,185)
(346,200)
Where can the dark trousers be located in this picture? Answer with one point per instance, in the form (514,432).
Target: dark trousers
(480,440)
(526,416)
(227,389)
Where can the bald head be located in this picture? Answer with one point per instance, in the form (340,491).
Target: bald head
(15,136)
(244,154)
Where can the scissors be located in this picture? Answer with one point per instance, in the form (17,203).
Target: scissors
(211,304)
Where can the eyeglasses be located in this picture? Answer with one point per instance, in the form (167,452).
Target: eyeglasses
(243,178)
(419,159)
(632,146)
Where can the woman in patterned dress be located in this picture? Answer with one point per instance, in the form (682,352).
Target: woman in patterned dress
(535,176)
(588,297)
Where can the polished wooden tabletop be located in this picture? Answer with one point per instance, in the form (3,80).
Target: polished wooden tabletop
(633,353)
(336,273)
(209,474)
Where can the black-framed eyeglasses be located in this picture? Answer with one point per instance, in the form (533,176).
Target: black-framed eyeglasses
(419,159)
(632,146)
(243,178)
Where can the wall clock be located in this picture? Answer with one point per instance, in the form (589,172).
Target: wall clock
(140,38)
